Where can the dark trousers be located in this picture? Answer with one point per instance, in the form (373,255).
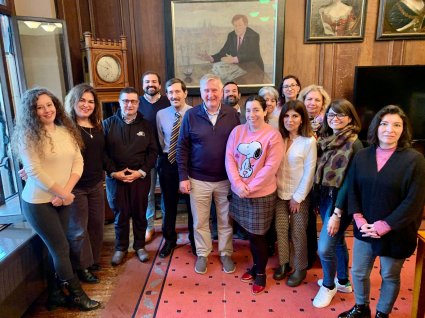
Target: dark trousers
(169,182)
(129,200)
(51,223)
(85,231)
(258,246)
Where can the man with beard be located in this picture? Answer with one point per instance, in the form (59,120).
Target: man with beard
(200,157)
(168,122)
(231,97)
(150,103)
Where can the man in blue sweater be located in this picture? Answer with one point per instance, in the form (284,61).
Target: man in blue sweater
(200,157)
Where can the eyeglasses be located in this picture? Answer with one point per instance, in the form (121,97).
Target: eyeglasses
(289,86)
(339,115)
(132,101)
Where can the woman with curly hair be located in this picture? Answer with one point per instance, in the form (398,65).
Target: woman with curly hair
(49,147)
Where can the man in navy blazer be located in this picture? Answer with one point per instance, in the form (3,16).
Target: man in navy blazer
(242,45)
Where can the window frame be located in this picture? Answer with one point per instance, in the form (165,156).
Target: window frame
(9,115)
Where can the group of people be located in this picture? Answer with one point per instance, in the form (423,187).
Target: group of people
(296,154)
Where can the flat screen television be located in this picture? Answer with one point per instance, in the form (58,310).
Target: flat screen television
(378,86)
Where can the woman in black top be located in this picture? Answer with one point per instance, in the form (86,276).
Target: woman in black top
(85,229)
(386,198)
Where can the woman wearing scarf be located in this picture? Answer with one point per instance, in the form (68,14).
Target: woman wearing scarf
(336,148)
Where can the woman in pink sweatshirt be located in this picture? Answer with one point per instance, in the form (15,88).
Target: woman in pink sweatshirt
(253,154)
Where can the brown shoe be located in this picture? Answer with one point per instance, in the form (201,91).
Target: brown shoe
(150,233)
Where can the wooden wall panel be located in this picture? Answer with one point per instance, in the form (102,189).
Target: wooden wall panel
(77,16)
(149,34)
(107,19)
(329,64)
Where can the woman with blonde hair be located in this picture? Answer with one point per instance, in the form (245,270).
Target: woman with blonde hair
(316,100)
(49,147)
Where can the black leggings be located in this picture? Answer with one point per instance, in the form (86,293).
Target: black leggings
(258,246)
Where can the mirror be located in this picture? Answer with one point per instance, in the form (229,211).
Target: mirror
(44,51)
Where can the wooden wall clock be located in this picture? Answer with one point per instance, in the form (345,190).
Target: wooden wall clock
(105,66)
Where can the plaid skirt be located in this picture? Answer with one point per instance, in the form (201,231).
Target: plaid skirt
(253,214)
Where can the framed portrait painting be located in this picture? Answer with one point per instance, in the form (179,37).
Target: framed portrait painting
(240,41)
(401,19)
(335,21)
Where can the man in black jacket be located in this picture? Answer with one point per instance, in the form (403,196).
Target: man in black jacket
(131,144)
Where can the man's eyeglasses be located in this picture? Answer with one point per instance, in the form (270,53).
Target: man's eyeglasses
(339,115)
(290,86)
(132,101)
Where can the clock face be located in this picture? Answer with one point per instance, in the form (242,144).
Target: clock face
(108,69)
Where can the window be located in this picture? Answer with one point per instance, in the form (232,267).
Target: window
(10,184)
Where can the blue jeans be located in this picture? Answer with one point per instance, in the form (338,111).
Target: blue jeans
(332,251)
(363,259)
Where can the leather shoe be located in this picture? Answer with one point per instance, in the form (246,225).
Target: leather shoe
(150,233)
(358,311)
(281,272)
(118,257)
(296,278)
(167,249)
(142,255)
(86,276)
(380,314)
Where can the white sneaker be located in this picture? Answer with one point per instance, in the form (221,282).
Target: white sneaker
(347,288)
(324,297)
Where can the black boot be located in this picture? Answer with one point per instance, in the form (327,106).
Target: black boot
(380,314)
(56,297)
(358,311)
(281,272)
(77,297)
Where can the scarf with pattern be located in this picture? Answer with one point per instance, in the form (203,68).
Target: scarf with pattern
(336,153)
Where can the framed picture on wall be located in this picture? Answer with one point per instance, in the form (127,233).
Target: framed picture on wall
(240,41)
(401,19)
(335,21)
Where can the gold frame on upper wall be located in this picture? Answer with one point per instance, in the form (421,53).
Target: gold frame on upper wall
(194,38)
(336,21)
(398,21)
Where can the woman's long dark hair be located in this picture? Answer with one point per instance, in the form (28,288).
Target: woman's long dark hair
(298,106)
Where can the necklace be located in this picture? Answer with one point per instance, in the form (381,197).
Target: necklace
(90,134)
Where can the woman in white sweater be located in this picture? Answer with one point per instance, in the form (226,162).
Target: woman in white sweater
(49,147)
(294,181)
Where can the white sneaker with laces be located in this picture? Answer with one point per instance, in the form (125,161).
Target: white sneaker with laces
(324,297)
(347,288)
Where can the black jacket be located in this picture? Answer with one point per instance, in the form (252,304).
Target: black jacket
(132,145)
